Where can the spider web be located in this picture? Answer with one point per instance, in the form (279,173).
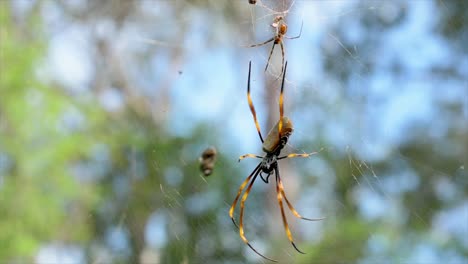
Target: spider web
(369,192)
(371,175)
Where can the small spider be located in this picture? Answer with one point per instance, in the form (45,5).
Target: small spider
(281,28)
(272,146)
(207,161)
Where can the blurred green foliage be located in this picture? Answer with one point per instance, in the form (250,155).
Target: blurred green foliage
(38,193)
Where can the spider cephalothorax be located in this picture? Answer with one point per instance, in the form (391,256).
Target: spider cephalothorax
(274,143)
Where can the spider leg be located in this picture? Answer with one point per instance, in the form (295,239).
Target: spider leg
(262,176)
(281,101)
(298,155)
(249,156)
(300,32)
(252,107)
(263,43)
(279,195)
(241,222)
(269,56)
(233,206)
(282,57)
(291,207)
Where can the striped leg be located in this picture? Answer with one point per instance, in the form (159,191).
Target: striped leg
(249,156)
(298,155)
(233,206)
(281,103)
(280,196)
(252,107)
(241,217)
(291,207)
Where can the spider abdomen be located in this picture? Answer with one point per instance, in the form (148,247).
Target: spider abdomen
(282,29)
(274,141)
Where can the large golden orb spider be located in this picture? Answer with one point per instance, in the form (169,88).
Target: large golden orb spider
(272,146)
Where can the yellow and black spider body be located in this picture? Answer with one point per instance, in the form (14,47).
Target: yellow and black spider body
(273,144)
(276,139)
